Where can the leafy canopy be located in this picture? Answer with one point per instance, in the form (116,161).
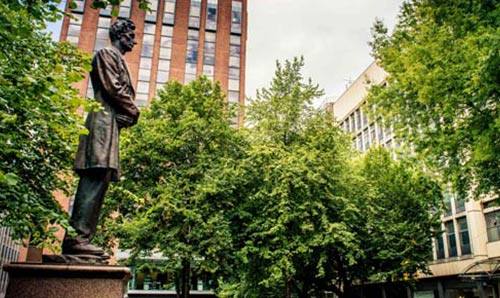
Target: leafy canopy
(443,64)
(180,171)
(39,125)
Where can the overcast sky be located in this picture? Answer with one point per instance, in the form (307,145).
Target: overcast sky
(332,35)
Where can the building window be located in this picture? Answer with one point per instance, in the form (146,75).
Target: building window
(145,64)
(101,41)
(493,226)
(211,23)
(75,26)
(464,236)
(366,139)
(163,72)
(194,14)
(365,116)
(125,9)
(452,241)
(236,10)
(353,122)
(80,6)
(459,204)
(440,247)
(359,142)
(447,197)
(234,63)
(169,12)
(380,130)
(209,54)
(191,55)
(153,12)
(373,137)
(358,119)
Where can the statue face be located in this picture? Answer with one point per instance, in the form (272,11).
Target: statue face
(127,41)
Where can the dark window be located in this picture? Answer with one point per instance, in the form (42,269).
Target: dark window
(440,247)
(211,23)
(464,236)
(452,241)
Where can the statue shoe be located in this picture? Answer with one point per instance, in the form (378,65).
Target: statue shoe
(82,248)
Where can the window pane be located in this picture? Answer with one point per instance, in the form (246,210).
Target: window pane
(190,68)
(234,62)
(233,96)
(208,70)
(234,85)
(144,74)
(147,51)
(234,51)
(80,5)
(192,51)
(162,77)
(211,23)
(76,19)
(167,31)
(235,40)
(142,87)
(493,226)
(234,73)
(452,241)
(440,247)
(210,36)
(145,63)
(165,53)
(464,236)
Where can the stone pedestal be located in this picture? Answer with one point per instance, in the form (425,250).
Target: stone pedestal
(66,281)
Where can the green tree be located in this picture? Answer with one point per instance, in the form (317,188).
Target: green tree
(316,217)
(443,64)
(39,125)
(398,201)
(295,210)
(180,176)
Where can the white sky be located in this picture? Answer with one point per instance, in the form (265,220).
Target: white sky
(332,35)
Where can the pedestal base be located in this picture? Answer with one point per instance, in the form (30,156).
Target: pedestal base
(66,281)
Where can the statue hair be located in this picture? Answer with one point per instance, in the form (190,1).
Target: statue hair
(119,28)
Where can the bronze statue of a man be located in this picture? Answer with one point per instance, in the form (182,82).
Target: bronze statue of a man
(97,160)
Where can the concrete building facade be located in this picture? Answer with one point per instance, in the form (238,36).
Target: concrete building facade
(466,256)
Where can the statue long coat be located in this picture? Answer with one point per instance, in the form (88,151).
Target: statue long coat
(114,90)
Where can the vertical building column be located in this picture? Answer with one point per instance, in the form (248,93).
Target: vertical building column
(87,38)
(222,43)
(244,25)
(477,223)
(179,41)
(137,16)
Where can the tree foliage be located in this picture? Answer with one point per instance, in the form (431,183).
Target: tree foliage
(443,64)
(313,219)
(39,125)
(398,202)
(180,173)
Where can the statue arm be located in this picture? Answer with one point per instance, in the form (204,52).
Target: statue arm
(107,65)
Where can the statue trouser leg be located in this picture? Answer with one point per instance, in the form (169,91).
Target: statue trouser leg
(89,199)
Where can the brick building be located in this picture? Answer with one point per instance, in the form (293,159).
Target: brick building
(176,40)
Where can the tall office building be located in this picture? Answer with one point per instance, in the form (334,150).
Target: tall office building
(466,256)
(176,40)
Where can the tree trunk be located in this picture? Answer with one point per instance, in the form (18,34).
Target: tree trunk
(186,273)
(288,292)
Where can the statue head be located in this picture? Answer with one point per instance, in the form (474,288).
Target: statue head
(122,35)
